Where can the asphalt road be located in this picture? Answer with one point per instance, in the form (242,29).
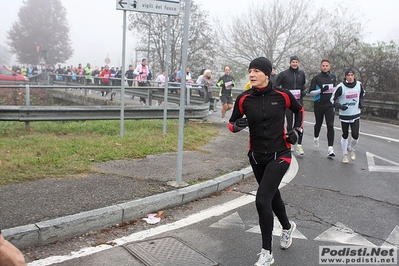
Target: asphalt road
(333,204)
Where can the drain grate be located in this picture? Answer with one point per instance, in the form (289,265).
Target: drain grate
(168,251)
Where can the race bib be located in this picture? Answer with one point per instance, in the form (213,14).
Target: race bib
(330,88)
(228,85)
(296,93)
(351,94)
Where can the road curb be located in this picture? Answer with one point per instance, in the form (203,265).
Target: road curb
(62,228)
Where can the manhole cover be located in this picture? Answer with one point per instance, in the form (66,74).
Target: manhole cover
(168,251)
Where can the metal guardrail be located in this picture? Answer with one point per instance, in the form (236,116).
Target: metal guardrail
(155,94)
(373,108)
(29,113)
(58,113)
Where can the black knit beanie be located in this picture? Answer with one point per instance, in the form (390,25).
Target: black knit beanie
(294,57)
(263,64)
(349,70)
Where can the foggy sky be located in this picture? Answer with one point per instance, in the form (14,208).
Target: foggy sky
(96,25)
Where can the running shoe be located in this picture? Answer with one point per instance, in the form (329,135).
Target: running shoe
(345,158)
(265,258)
(330,152)
(316,142)
(286,236)
(352,155)
(299,150)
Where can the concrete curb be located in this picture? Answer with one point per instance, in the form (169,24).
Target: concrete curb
(62,228)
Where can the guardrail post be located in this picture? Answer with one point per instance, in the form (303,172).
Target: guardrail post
(85,84)
(27,102)
(149,94)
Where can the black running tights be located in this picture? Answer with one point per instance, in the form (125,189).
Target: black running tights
(319,113)
(355,128)
(269,171)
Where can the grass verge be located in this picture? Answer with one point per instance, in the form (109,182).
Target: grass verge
(67,149)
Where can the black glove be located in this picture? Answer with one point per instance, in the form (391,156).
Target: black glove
(342,107)
(140,73)
(293,135)
(325,87)
(303,93)
(240,124)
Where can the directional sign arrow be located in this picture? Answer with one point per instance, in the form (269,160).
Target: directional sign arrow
(121,2)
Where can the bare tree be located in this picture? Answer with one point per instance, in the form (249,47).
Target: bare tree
(152,30)
(337,39)
(41,22)
(275,29)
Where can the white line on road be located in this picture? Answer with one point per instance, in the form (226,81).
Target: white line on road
(365,134)
(192,219)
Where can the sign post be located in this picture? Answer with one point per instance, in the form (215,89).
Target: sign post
(182,93)
(170,8)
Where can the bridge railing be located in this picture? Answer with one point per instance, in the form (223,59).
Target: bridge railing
(98,109)
(60,113)
(373,107)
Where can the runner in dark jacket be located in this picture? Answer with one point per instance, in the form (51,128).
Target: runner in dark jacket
(293,79)
(321,88)
(269,147)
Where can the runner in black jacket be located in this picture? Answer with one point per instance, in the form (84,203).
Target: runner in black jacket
(269,148)
(293,79)
(321,88)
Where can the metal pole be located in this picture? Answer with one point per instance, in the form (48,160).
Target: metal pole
(182,92)
(27,103)
(122,128)
(148,48)
(165,96)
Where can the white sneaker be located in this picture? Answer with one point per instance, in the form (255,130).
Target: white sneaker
(316,142)
(265,258)
(286,236)
(210,112)
(352,155)
(223,120)
(299,150)
(330,152)
(345,159)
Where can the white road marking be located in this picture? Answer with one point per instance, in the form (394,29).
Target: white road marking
(364,134)
(232,221)
(393,238)
(343,234)
(277,230)
(192,219)
(381,168)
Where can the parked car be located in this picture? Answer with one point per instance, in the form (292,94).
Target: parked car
(8,77)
